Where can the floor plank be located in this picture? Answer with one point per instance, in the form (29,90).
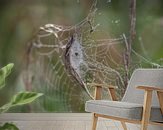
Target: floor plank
(57,121)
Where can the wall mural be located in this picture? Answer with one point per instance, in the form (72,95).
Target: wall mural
(63,60)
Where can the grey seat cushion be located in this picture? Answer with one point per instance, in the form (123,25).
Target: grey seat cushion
(125,110)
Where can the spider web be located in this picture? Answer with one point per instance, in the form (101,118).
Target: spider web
(62,60)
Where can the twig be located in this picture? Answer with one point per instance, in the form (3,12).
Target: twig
(132,22)
(127,54)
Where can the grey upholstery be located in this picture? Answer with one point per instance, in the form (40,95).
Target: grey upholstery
(132,111)
(146,77)
(131,105)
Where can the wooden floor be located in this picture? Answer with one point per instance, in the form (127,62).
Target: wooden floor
(57,121)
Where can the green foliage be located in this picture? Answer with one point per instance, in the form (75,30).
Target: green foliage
(4,72)
(17,100)
(24,98)
(8,126)
(20,99)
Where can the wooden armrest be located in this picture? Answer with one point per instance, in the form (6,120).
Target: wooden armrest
(148,101)
(147,88)
(102,85)
(98,90)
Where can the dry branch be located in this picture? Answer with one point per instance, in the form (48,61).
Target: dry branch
(128,43)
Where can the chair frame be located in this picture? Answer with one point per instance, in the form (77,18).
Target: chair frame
(145,121)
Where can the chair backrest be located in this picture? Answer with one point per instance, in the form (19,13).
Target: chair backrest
(146,77)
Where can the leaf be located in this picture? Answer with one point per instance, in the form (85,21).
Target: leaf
(24,98)
(4,72)
(5,107)
(9,126)
(20,99)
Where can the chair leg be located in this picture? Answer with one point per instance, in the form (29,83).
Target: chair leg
(144,127)
(94,122)
(124,125)
(146,110)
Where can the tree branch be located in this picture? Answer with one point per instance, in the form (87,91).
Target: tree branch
(132,34)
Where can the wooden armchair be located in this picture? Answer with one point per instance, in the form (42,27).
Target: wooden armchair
(138,107)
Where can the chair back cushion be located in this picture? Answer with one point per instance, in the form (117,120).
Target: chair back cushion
(143,77)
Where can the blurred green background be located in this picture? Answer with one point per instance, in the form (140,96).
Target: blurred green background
(20,20)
